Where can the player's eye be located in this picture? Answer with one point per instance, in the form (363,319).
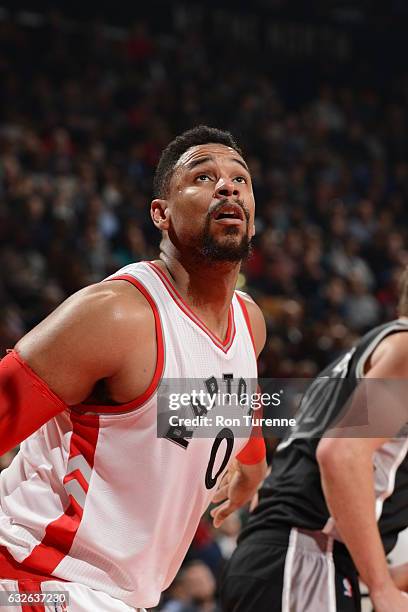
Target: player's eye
(240,179)
(203,177)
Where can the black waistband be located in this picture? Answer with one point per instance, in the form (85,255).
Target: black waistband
(281,535)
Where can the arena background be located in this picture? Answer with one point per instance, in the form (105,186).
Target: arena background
(316,92)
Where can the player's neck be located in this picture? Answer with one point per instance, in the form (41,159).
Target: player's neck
(207,289)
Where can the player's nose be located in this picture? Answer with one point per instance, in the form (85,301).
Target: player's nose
(226,188)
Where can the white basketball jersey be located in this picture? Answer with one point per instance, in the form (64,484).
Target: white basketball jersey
(95,497)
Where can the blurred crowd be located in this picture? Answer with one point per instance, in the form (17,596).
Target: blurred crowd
(84,115)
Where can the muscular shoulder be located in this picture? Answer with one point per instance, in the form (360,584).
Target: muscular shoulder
(116,301)
(257,321)
(390,358)
(88,337)
(101,309)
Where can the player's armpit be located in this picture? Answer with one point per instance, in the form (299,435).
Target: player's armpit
(26,402)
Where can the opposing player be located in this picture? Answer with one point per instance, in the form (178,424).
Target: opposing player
(332,507)
(94,498)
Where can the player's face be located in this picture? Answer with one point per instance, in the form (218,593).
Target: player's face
(211,203)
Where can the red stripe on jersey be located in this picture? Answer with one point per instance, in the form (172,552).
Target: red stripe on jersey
(225,344)
(60,534)
(77,475)
(10,569)
(158,372)
(30,586)
(247,319)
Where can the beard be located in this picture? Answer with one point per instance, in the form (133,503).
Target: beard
(228,248)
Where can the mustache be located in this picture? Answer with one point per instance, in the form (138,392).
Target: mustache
(215,207)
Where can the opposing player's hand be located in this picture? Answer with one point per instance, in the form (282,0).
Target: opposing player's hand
(236,488)
(389,599)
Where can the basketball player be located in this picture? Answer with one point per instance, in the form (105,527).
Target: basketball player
(325,515)
(95,503)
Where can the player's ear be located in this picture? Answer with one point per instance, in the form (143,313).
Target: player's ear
(160,214)
(253,230)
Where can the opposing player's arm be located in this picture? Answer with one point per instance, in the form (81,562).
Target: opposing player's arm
(399,575)
(346,466)
(57,364)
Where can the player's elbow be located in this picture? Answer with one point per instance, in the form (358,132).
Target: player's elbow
(324,452)
(333,454)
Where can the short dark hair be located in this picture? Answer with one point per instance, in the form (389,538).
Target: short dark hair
(202,134)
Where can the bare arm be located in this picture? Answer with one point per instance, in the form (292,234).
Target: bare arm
(346,466)
(399,574)
(88,338)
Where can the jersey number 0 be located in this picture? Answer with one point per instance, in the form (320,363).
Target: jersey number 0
(224,434)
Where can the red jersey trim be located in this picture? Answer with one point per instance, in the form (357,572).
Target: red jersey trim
(60,533)
(10,569)
(225,344)
(247,319)
(254,451)
(31,586)
(158,372)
